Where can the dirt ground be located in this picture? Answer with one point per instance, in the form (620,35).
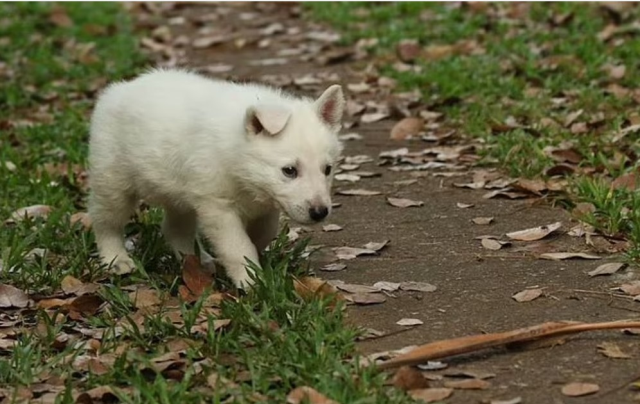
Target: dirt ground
(435,243)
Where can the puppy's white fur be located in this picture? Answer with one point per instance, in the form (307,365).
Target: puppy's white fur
(211,153)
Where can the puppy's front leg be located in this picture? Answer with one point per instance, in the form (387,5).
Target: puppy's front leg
(231,243)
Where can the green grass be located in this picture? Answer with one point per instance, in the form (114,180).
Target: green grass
(275,340)
(512,78)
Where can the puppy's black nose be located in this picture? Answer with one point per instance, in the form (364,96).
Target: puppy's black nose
(318,213)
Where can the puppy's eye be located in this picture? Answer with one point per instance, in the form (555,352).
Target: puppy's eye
(290,171)
(327,170)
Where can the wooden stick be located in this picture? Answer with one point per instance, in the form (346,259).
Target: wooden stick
(456,346)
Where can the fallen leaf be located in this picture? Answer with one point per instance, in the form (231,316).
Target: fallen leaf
(31,212)
(331,227)
(347,177)
(407,128)
(535,233)
(145,297)
(464,205)
(373,117)
(470,374)
(403,203)
(607,269)
(59,16)
(611,350)
(309,287)
(358,192)
(208,41)
(194,276)
(482,221)
(349,253)
(11,296)
(527,295)
(307,395)
(409,378)
(376,246)
(577,389)
(387,286)
(567,255)
(87,305)
(408,50)
(354,288)
(632,288)
(407,322)
(431,395)
(70,285)
(468,384)
(339,266)
(366,298)
(515,400)
(417,287)
(491,244)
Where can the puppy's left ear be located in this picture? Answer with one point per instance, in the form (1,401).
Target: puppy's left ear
(266,119)
(330,107)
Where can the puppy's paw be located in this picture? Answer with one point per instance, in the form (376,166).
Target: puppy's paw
(243,281)
(122,266)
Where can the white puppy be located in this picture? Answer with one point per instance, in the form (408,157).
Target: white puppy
(222,157)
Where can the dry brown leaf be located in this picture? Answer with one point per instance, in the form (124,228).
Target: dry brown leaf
(70,285)
(373,117)
(527,295)
(31,212)
(409,322)
(331,227)
(339,266)
(358,192)
(309,287)
(559,256)
(308,395)
(578,389)
(515,400)
(431,395)
(535,233)
(611,350)
(407,128)
(347,177)
(403,203)
(354,288)
(464,205)
(632,288)
(387,286)
(87,305)
(145,297)
(408,50)
(468,384)
(194,276)
(491,244)
(417,287)
(366,298)
(409,378)
(376,246)
(60,17)
(349,253)
(482,221)
(607,269)
(52,303)
(208,41)
(11,296)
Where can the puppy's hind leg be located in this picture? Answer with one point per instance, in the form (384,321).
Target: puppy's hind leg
(109,213)
(179,228)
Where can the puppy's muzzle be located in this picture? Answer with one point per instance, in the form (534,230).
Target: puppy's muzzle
(317,213)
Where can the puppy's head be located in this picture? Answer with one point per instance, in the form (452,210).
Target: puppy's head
(292,152)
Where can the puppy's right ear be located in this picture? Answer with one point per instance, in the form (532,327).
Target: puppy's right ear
(266,119)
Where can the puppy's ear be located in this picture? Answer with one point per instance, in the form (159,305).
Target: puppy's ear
(330,107)
(266,119)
